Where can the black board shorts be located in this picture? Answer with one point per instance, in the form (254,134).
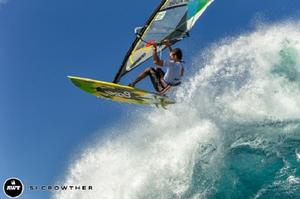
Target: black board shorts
(157,75)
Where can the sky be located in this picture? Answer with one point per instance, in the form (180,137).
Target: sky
(45,121)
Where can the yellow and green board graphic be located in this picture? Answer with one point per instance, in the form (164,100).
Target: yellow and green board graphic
(120,93)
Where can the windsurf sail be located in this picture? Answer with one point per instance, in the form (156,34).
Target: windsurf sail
(172,20)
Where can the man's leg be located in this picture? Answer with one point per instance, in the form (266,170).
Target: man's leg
(147,72)
(141,76)
(155,75)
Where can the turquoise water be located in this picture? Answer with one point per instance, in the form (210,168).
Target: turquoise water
(234,133)
(258,162)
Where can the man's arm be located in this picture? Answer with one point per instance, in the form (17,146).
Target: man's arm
(168,44)
(156,58)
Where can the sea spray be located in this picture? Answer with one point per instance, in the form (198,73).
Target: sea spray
(234,133)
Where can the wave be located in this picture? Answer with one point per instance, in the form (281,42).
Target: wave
(234,133)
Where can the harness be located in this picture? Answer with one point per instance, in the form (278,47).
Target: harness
(168,86)
(173,84)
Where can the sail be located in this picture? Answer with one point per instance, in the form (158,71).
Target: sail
(172,20)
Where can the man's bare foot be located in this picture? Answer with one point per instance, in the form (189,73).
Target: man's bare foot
(131,84)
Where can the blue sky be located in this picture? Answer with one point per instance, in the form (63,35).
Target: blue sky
(44,120)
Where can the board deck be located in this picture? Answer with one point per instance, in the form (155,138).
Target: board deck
(120,93)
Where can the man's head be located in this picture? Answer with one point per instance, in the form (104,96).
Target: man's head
(176,54)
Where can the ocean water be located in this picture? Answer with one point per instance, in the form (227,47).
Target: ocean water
(234,133)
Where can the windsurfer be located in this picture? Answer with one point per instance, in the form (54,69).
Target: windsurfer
(163,81)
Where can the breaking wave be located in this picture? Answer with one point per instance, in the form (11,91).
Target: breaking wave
(234,133)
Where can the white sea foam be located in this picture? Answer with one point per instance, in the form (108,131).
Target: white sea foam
(252,77)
